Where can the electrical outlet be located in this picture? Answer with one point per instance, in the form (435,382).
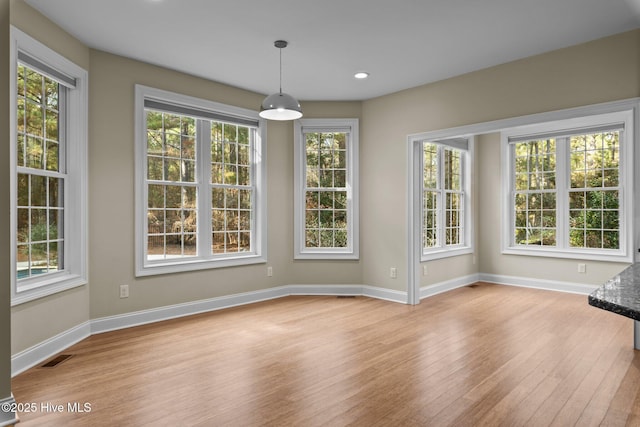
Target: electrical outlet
(269,271)
(582,268)
(393,272)
(124,291)
(425,270)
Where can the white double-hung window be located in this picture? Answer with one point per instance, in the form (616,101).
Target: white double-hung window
(569,188)
(48,165)
(200,184)
(326,189)
(446,202)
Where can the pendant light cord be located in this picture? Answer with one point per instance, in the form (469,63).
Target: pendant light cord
(280,69)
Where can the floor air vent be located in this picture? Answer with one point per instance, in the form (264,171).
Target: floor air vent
(346,296)
(56,361)
(472,286)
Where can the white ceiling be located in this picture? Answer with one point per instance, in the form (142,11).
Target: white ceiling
(401,43)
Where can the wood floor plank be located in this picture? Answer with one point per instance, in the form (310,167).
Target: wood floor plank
(481,355)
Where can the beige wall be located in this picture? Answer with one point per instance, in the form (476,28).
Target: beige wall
(112,196)
(603,70)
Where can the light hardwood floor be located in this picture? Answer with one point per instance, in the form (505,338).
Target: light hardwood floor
(480,355)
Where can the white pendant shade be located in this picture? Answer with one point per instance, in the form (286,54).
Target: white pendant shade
(280,106)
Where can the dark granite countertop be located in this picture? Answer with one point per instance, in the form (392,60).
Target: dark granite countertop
(620,294)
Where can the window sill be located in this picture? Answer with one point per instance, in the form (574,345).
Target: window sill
(180,266)
(327,255)
(608,256)
(445,253)
(47,287)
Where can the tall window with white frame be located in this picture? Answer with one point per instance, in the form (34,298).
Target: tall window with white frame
(48,162)
(444,196)
(569,188)
(326,189)
(41,174)
(202,184)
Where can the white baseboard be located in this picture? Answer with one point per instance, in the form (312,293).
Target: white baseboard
(438,288)
(355,290)
(549,285)
(385,294)
(137,318)
(352,290)
(40,352)
(8,418)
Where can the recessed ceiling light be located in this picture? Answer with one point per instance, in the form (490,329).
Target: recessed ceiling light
(361,75)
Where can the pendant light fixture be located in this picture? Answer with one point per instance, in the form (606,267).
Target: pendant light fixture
(280,106)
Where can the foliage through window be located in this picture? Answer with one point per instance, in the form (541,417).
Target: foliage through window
(444,195)
(567,187)
(326,190)
(593,190)
(171,190)
(202,183)
(326,159)
(41,175)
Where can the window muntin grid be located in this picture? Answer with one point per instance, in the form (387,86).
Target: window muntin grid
(431,195)
(41,174)
(443,197)
(591,191)
(172,196)
(326,190)
(535,192)
(454,197)
(175,187)
(594,208)
(232,192)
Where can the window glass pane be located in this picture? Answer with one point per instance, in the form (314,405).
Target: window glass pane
(232,188)
(171,221)
(591,190)
(40,201)
(452,179)
(170,147)
(443,196)
(594,211)
(535,196)
(325,169)
(312,238)
(430,169)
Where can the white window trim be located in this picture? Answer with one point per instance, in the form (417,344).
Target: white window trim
(445,251)
(259,255)
(626,252)
(352,251)
(76,190)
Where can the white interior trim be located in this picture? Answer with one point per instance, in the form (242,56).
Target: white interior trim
(448,285)
(547,285)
